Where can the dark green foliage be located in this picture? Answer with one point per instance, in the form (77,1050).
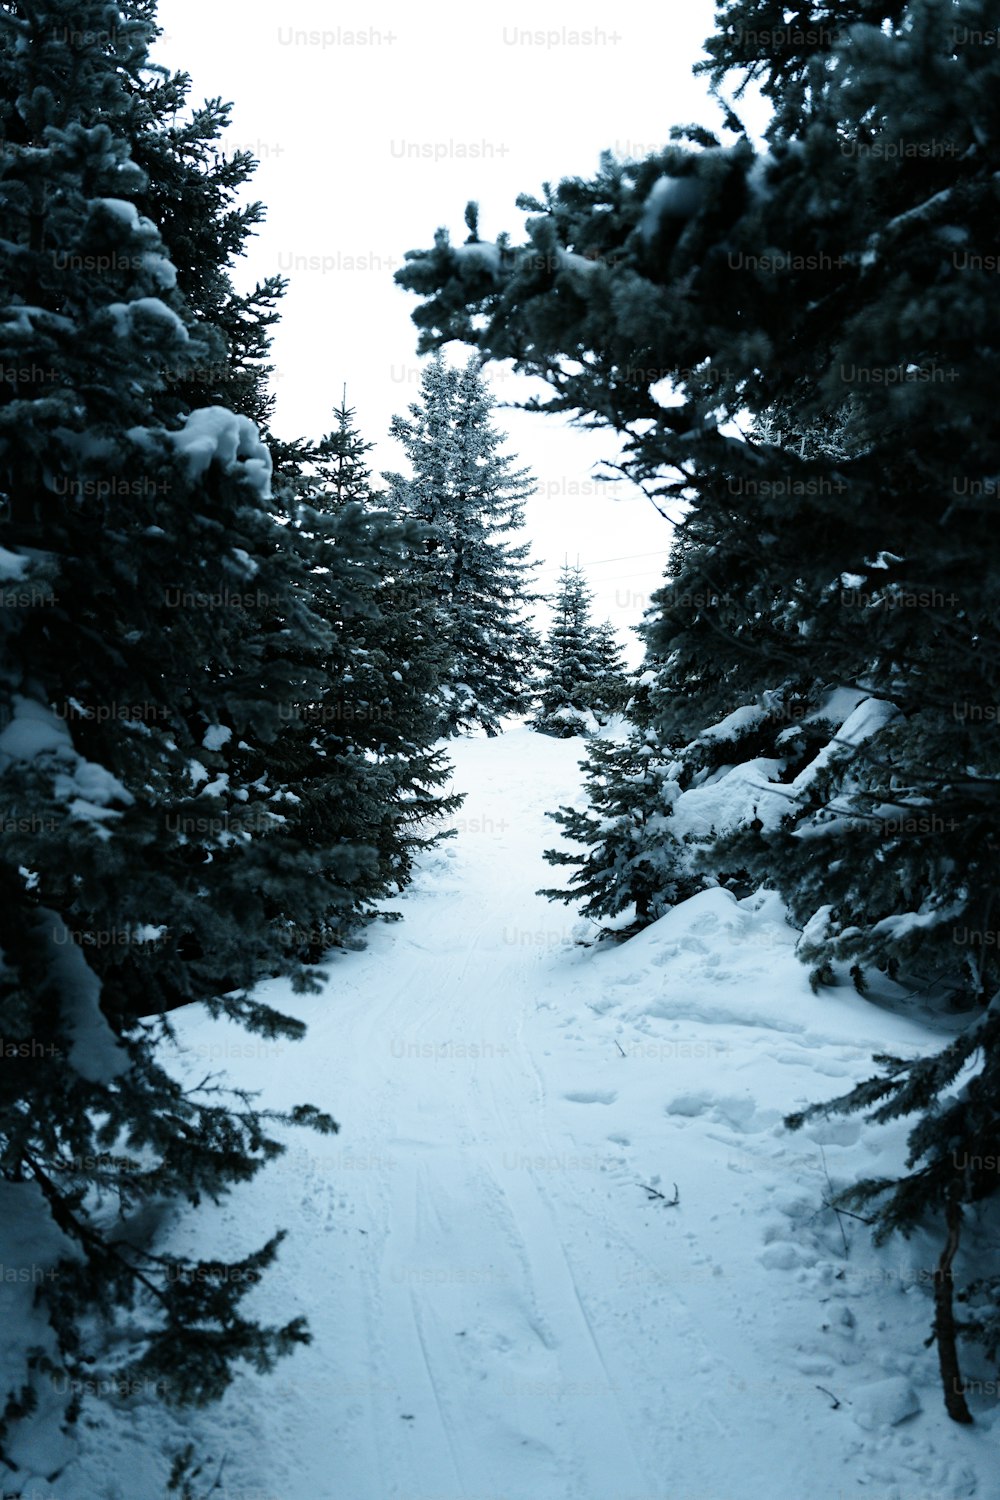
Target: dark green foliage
(466,571)
(634,860)
(163,615)
(368,764)
(631,858)
(613,686)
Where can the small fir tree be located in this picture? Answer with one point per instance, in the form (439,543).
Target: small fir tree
(572,662)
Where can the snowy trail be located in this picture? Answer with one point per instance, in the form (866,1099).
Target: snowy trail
(501,1307)
(480,1317)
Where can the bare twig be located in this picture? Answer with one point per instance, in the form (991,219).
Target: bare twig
(837,1403)
(840,1224)
(216,1483)
(862,1218)
(654,1193)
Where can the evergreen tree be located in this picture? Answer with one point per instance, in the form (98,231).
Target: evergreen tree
(632,861)
(370,768)
(825,312)
(157,627)
(190,193)
(612,687)
(470,499)
(572,661)
(339,461)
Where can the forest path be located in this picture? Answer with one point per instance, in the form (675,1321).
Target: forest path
(506,1302)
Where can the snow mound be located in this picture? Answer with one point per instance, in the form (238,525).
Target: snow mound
(11,566)
(480,254)
(89,790)
(870,715)
(146,316)
(670,197)
(31,1245)
(161,271)
(885,1403)
(747,717)
(34,730)
(731,798)
(95,1054)
(86,787)
(214,434)
(125,212)
(217,735)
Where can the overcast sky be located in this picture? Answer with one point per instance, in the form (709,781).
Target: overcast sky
(375,125)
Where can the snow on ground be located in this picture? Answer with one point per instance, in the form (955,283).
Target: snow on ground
(563,1248)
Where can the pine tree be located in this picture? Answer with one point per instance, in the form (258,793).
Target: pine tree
(371,768)
(612,686)
(191,193)
(470,497)
(825,312)
(572,662)
(632,862)
(339,462)
(157,627)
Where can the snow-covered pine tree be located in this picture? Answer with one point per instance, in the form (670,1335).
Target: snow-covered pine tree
(191,193)
(633,861)
(839,280)
(471,498)
(155,625)
(572,660)
(612,685)
(372,768)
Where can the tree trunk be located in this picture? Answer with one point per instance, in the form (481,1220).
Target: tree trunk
(944,1321)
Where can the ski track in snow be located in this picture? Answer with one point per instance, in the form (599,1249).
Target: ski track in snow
(501,1308)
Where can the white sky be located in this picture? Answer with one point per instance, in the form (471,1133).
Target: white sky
(337,126)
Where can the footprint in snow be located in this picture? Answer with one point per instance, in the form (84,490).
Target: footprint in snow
(834,1132)
(592,1096)
(737,1112)
(689,1105)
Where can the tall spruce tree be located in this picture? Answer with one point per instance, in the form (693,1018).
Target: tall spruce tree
(157,625)
(835,289)
(371,767)
(470,498)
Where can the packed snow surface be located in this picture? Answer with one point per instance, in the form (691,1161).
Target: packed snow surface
(563,1247)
